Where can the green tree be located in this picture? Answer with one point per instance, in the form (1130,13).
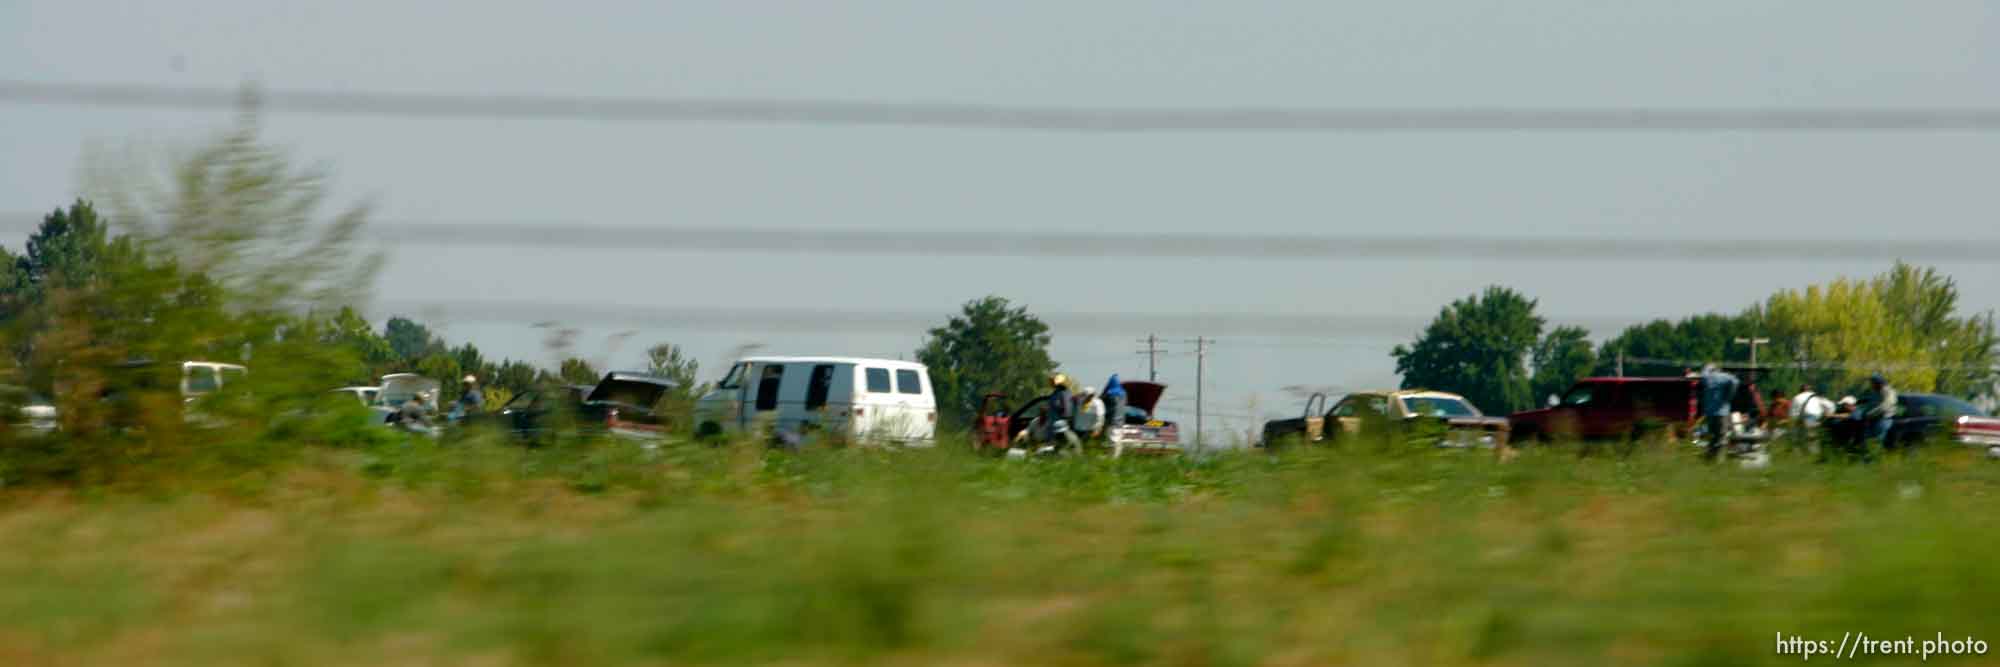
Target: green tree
(578,371)
(1903,323)
(1561,358)
(239,211)
(1477,347)
(409,340)
(471,362)
(348,330)
(1925,302)
(1662,347)
(669,361)
(70,249)
(66,250)
(988,347)
(514,376)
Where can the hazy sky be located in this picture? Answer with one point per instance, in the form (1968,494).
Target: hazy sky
(1806,54)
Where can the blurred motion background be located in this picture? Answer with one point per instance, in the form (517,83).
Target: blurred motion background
(482,172)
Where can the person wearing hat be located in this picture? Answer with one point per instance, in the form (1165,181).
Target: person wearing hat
(1089,414)
(471,401)
(1114,407)
(1058,415)
(1877,410)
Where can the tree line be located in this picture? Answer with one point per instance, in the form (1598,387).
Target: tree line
(1905,323)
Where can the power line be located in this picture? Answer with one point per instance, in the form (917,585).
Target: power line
(1823,365)
(1076,245)
(1237,118)
(732,318)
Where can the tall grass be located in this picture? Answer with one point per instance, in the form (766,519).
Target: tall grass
(391,550)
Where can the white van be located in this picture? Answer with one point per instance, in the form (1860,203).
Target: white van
(864,399)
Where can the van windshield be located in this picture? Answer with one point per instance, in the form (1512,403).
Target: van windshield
(202,380)
(734,379)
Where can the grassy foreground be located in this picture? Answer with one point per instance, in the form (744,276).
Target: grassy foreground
(479,553)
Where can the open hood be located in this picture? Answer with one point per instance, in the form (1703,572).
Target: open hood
(397,388)
(637,390)
(1143,395)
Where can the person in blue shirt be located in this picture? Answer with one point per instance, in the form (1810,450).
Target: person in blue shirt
(1717,392)
(1114,407)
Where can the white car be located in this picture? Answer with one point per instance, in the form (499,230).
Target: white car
(865,399)
(37,414)
(368,396)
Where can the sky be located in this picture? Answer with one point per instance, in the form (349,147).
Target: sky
(1807,54)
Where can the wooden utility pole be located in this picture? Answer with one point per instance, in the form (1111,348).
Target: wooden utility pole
(1753,343)
(1152,353)
(1200,366)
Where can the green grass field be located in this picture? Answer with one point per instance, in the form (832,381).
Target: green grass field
(481,553)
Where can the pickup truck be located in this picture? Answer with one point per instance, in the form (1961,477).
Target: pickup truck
(1393,414)
(1621,407)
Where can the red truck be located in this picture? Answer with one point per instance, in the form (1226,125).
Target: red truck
(1621,407)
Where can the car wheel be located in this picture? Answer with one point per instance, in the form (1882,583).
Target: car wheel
(708,431)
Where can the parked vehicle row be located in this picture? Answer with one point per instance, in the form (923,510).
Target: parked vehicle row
(847,397)
(1447,417)
(1137,431)
(1605,408)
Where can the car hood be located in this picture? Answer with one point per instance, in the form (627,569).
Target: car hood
(634,392)
(1143,395)
(398,388)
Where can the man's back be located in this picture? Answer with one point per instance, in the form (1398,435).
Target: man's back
(1718,389)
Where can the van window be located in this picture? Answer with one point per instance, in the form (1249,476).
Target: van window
(821,383)
(878,380)
(907,382)
(201,380)
(734,379)
(767,388)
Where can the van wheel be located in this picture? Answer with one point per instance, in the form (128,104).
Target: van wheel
(708,431)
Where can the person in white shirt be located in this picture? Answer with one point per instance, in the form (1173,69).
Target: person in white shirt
(1090,413)
(1809,408)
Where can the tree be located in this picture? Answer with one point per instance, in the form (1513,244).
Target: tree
(988,347)
(1477,347)
(1662,347)
(668,361)
(471,362)
(1563,357)
(237,210)
(409,340)
(514,376)
(1903,323)
(577,371)
(66,250)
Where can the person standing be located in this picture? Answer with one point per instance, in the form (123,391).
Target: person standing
(1717,391)
(1089,414)
(1061,413)
(1877,410)
(470,401)
(1114,407)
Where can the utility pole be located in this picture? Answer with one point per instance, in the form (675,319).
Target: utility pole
(1200,365)
(1152,353)
(1621,362)
(1753,343)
